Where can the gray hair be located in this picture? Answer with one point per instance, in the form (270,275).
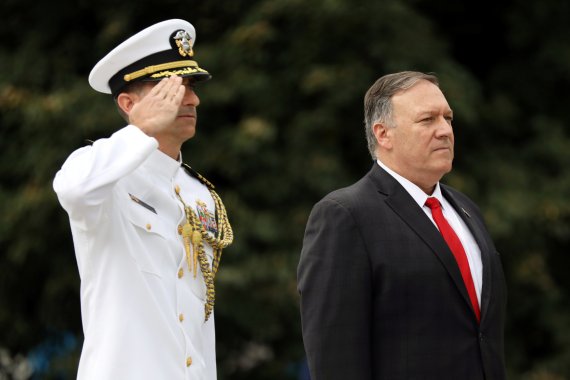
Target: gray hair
(378,100)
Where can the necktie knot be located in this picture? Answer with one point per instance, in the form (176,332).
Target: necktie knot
(433,203)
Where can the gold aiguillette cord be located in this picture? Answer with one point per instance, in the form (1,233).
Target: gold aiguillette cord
(194,234)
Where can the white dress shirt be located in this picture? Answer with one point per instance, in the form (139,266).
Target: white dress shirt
(470,246)
(142,310)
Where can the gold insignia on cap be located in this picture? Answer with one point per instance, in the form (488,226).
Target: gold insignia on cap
(184,43)
(155,68)
(184,71)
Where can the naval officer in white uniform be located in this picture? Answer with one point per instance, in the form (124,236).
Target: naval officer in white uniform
(148,230)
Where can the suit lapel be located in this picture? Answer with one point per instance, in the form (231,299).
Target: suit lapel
(398,199)
(480,235)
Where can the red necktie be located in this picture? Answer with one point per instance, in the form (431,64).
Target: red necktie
(455,245)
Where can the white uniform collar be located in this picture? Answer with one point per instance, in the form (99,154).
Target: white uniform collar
(162,165)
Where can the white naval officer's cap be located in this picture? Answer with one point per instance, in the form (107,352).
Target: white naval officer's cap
(159,51)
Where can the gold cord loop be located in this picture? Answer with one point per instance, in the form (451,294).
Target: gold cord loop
(194,233)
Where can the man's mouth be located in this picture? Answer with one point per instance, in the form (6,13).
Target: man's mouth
(187,115)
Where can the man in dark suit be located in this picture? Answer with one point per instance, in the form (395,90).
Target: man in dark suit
(399,278)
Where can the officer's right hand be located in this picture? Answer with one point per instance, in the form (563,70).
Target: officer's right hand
(157,109)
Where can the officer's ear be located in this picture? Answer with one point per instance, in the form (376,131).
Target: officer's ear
(126,101)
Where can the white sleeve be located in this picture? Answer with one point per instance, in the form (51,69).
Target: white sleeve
(88,176)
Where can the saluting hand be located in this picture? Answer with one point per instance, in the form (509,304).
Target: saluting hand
(158,108)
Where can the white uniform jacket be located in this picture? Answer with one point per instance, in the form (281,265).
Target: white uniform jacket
(142,310)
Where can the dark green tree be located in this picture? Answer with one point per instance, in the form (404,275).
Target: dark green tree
(280,125)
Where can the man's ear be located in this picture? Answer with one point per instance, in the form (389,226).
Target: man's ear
(383,135)
(126,101)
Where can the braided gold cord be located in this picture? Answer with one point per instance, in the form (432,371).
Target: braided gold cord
(225,233)
(209,280)
(193,231)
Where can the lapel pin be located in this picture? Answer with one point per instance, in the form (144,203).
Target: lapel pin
(466,213)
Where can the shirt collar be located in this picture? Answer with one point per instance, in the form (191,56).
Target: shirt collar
(162,165)
(415,192)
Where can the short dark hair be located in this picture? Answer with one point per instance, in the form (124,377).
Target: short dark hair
(135,87)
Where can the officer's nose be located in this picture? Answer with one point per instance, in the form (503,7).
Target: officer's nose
(190,97)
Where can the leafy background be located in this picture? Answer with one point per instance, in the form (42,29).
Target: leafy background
(280,125)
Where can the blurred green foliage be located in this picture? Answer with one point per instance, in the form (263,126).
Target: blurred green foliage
(280,125)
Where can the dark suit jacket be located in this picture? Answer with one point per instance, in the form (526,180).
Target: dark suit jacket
(381,294)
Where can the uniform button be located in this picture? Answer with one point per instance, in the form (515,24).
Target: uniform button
(177,189)
(188,361)
(148,226)
(180,273)
(180,230)
(181,317)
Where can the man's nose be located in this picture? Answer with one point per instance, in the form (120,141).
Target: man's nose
(444,128)
(190,97)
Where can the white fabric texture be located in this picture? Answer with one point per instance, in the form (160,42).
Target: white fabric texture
(142,310)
